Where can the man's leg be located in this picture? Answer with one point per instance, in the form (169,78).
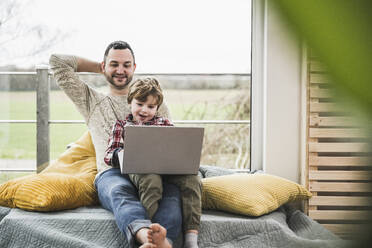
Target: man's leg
(118,195)
(169,214)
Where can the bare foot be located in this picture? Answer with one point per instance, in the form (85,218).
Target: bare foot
(159,236)
(147,245)
(144,236)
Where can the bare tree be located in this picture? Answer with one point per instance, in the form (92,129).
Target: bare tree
(21,39)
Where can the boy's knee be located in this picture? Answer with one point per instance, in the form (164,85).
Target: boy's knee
(150,181)
(193,180)
(150,190)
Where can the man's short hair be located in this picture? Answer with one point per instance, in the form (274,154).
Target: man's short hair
(142,88)
(118,45)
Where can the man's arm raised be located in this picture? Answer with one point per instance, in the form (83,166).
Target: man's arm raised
(64,68)
(86,65)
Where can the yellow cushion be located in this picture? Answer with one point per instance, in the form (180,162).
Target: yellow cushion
(65,184)
(250,194)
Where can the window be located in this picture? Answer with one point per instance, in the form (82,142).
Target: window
(199,50)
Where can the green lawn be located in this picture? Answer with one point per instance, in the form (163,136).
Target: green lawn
(18,141)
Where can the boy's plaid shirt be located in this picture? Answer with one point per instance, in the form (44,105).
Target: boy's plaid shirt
(116,140)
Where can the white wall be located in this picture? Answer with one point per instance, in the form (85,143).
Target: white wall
(281,98)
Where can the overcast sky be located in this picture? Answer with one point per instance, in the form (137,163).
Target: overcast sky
(166,35)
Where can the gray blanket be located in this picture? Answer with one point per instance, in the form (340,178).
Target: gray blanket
(95,227)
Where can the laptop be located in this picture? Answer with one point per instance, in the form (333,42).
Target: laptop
(162,150)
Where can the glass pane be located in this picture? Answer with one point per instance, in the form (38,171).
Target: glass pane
(18,141)
(188,36)
(17,97)
(226,145)
(17,150)
(206,104)
(199,50)
(60,138)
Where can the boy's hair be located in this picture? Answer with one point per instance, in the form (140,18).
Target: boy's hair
(119,44)
(142,88)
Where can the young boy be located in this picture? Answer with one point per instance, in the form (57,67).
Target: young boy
(145,96)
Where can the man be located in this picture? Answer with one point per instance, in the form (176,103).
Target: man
(100,111)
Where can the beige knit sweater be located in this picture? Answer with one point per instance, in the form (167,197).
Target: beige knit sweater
(100,111)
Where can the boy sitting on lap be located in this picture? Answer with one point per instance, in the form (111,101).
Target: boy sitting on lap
(145,96)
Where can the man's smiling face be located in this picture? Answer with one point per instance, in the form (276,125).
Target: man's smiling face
(119,68)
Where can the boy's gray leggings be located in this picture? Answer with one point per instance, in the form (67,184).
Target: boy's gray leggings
(150,191)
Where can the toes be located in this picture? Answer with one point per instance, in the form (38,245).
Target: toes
(149,239)
(155,227)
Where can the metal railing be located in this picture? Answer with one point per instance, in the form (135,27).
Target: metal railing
(43,112)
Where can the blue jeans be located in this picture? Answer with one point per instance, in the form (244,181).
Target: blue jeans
(118,195)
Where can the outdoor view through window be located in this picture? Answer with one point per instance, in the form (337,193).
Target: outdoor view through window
(200,51)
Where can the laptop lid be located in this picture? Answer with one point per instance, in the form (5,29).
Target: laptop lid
(162,150)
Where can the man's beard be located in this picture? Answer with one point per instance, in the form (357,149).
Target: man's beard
(110,79)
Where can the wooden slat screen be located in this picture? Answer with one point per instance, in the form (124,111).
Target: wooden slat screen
(338,160)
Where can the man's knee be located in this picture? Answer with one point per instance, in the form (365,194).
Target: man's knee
(123,190)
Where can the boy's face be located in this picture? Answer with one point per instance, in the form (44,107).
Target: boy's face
(144,111)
